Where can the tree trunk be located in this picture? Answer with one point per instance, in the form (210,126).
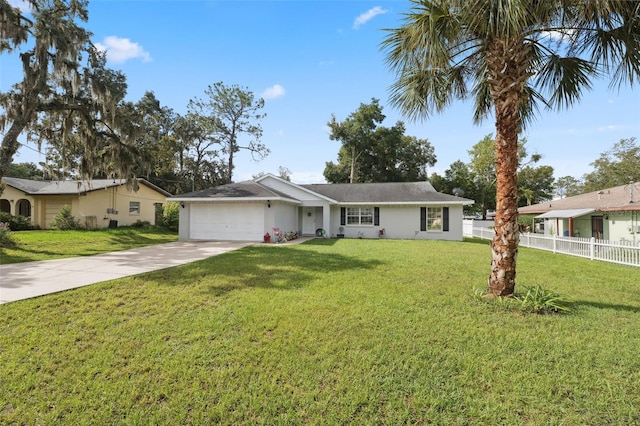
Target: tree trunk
(506,68)
(504,247)
(353,164)
(10,145)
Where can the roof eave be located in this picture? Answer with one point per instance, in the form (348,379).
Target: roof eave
(230,199)
(406,203)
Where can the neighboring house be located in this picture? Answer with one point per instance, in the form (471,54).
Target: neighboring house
(249,210)
(99,203)
(610,214)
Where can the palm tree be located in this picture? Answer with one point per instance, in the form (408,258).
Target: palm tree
(510,56)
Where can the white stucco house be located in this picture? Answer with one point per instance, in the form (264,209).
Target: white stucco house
(246,211)
(610,214)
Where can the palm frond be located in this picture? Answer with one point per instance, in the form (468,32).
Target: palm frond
(565,78)
(420,92)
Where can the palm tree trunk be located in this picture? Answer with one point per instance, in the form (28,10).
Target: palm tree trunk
(504,248)
(504,67)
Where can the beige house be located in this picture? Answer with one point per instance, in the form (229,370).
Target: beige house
(610,214)
(99,203)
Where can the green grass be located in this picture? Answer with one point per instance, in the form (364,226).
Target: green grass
(45,245)
(328,332)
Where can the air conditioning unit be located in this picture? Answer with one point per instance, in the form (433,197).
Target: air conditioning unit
(635,229)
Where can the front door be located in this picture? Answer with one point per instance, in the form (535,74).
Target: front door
(309,221)
(597,225)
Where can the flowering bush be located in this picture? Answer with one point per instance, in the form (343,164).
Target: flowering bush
(6,239)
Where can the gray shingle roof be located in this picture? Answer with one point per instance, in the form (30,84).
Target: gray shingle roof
(616,198)
(246,189)
(393,192)
(69,187)
(390,192)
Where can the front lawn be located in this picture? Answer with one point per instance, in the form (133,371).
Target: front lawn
(327,332)
(51,244)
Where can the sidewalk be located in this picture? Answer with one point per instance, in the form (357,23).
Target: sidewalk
(20,281)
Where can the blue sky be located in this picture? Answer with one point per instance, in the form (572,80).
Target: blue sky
(308,60)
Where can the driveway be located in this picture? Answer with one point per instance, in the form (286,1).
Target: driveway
(20,281)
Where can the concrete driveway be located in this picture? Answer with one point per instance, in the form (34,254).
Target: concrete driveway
(20,281)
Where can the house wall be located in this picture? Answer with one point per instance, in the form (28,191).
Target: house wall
(281,215)
(400,222)
(184,222)
(90,208)
(617,225)
(12,197)
(623,225)
(102,206)
(287,217)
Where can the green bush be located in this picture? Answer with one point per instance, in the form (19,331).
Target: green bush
(16,223)
(541,301)
(171,216)
(526,221)
(535,300)
(141,224)
(6,239)
(64,220)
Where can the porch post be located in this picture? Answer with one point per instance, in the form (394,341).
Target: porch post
(326,220)
(571,227)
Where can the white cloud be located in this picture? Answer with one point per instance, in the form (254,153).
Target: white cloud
(302,178)
(609,127)
(367,16)
(273,92)
(564,35)
(120,50)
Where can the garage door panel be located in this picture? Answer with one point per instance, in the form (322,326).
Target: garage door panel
(227,222)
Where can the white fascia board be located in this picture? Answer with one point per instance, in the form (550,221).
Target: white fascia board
(405,203)
(231,200)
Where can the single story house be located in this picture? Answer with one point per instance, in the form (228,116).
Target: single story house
(98,203)
(610,214)
(249,210)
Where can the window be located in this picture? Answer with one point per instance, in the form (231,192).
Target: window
(434,219)
(359,216)
(134,207)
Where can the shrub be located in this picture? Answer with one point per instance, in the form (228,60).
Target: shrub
(541,301)
(171,216)
(64,220)
(16,223)
(535,300)
(141,224)
(6,239)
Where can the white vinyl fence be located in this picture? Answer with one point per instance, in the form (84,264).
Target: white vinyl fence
(622,252)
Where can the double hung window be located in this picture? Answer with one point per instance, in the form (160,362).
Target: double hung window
(359,216)
(434,219)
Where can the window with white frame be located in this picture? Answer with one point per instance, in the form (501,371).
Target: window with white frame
(134,207)
(434,219)
(359,215)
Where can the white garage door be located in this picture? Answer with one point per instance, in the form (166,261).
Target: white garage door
(239,222)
